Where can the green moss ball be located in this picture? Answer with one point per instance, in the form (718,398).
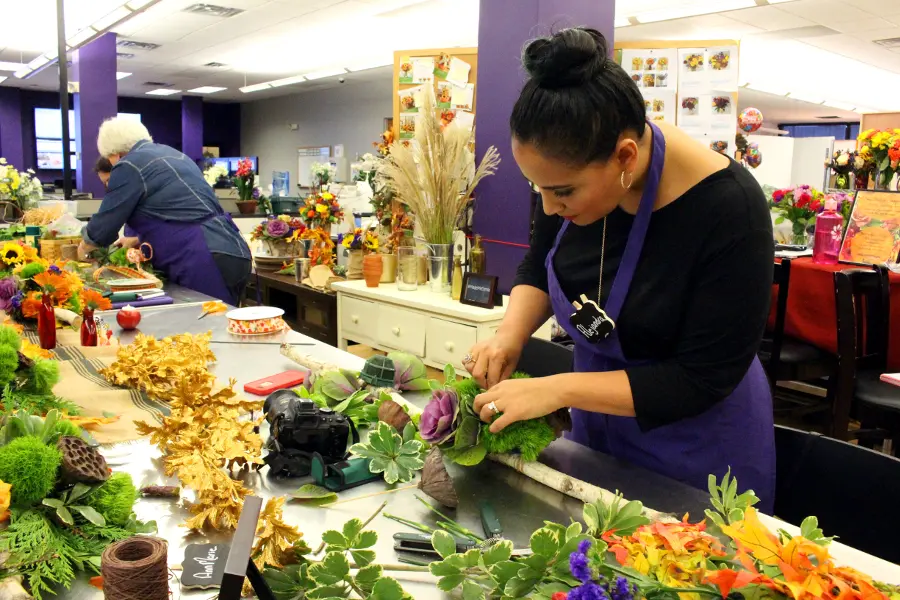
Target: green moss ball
(114,499)
(528,438)
(67,428)
(9,337)
(44,376)
(30,467)
(9,362)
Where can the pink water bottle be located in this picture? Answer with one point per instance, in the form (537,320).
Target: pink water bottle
(829,227)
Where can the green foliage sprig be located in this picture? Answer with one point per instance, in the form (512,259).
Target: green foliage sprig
(397,457)
(728,505)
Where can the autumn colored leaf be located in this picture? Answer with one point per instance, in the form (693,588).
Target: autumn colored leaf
(97,582)
(727,579)
(275,537)
(91,423)
(758,540)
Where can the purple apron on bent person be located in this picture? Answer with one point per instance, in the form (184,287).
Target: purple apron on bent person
(737,432)
(181,253)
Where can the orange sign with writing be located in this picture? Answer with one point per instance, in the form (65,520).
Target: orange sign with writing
(873,234)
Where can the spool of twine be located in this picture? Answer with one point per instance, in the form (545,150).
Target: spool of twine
(136,569)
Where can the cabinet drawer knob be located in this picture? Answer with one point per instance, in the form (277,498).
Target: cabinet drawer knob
(354,318)
(395,331)
(449,346)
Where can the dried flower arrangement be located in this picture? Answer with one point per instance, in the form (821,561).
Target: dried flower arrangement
(436,176)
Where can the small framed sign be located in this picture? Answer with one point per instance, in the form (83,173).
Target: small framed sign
(478,290)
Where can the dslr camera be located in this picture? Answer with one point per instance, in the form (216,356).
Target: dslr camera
(299,429)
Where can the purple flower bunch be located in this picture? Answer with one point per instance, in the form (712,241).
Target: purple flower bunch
(8,290)
(579,566)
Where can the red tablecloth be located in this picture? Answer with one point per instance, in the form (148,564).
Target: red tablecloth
(811,313)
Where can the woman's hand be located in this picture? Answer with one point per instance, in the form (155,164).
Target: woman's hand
(493,360)
(128,242)
(519,400)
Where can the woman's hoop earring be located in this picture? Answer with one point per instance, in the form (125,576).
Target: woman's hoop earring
(630,180)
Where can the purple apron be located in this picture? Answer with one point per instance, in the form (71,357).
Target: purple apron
(737,432)
(180,252)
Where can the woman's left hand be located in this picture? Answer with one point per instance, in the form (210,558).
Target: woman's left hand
(519,400)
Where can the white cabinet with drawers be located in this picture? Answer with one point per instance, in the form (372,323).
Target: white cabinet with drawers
(434,327)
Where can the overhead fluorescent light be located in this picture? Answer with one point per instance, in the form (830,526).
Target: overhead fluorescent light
(3,78)
(163,92)
(110,19)
(82,36)
(138,4)
(38,62)
(122,75)
(287,81)
(693,10)
(21,73)
(206,89)
(863,110)
(11,66)
(621,22)
(323,74)
(255,88)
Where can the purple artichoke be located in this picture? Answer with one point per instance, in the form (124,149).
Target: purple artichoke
(8,289)
(438,420)
(278,229)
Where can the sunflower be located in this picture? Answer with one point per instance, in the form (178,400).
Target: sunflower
(94,300)
(12,253)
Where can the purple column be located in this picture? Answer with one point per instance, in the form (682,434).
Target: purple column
(504,26)
(11,133)
(192,126)
(94,68)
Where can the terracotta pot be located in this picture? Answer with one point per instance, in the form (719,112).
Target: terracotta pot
(247,207)
(355,266)
(389,262)
(372,269)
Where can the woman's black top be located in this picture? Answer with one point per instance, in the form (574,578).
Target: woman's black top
(699,300)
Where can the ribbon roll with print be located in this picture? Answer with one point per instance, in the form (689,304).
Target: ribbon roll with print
(591,321)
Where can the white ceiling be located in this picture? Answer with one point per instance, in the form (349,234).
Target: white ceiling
(819,49)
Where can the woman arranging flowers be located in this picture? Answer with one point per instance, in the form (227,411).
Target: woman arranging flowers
(666,374)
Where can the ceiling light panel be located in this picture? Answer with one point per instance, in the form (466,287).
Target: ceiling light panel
(287,81)
(82,36)
(206,89)
(122,75)
(111,18)
(163,92)
(324,74)
(11,66)
(255,88)
(3,78)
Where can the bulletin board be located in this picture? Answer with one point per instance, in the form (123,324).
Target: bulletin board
(443,81)
(689,83)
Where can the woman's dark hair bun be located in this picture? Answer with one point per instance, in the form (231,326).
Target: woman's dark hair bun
(568,58)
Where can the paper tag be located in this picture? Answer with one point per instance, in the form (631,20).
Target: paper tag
(204,565)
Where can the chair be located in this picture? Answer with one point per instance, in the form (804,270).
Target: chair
(862,300)
(541,358)
(852,490)
(785,358)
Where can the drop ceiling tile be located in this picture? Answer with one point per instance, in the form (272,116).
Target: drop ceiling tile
(878,34)
(817,10)
(870,24)
(770,18)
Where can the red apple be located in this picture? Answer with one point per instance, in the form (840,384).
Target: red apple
(128,317)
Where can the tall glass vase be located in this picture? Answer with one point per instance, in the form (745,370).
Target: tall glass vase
(439,265)
(88,328)
(47,323)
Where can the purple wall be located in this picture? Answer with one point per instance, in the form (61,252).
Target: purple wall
(192,126)
(95,69)
(502,201)
(11,126)
(221,123)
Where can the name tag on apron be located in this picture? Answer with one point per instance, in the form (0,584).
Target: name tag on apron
(591,321)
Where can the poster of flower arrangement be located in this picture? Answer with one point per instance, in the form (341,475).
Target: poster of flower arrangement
(660,104)
(650,67)
(411,99)
(444,94)
(407,127)
(406,70)
(721,65)
(873,234)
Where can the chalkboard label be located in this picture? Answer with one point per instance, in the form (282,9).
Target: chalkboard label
(204,565)
(478,290)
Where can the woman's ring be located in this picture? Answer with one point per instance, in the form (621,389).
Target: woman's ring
(494,408)
(467,359)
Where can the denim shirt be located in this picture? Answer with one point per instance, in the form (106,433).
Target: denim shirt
(158,182)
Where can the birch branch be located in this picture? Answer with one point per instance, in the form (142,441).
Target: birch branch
(305,360)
